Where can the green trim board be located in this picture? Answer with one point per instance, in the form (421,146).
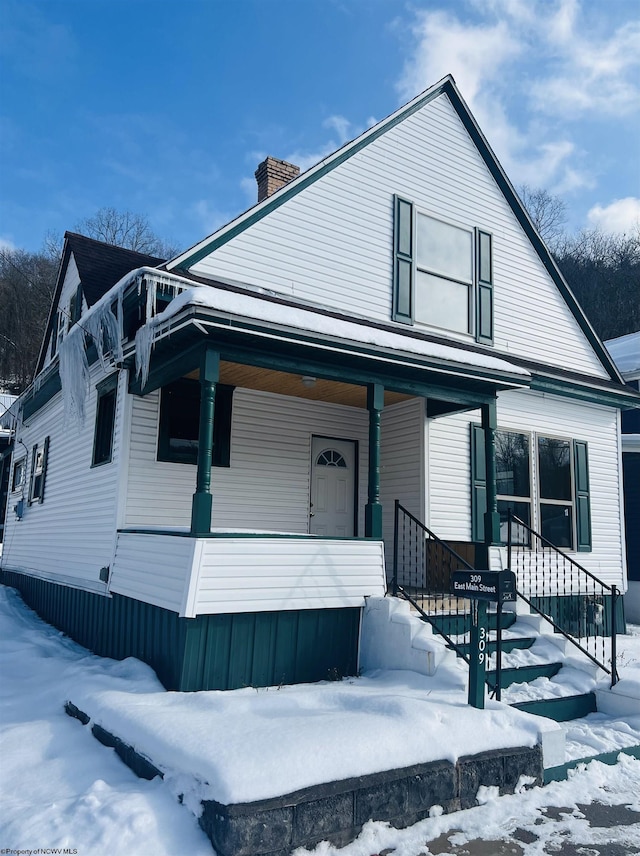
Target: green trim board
(446,87)
(622,398)
(37,398)
(560,709)
(559,774)
(232,534)
(347,361)
(204,653)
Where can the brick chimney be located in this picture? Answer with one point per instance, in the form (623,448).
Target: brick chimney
(272,174)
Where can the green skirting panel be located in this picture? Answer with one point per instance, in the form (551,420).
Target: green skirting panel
(221,652)
(583,615)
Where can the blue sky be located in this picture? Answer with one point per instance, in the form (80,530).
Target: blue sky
(166,107)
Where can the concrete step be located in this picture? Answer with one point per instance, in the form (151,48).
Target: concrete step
(524,674)
(508,645)
(560,709)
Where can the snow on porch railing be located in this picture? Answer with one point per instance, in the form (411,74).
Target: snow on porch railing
(580,606)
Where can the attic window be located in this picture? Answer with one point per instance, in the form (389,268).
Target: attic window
(442,274)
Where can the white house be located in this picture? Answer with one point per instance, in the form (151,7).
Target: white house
(205,469)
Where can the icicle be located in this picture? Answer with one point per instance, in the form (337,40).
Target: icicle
(105,330)
(151,298)
(74,376)
(144,341)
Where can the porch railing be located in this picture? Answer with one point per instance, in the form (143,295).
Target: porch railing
(422,568)
(579,605)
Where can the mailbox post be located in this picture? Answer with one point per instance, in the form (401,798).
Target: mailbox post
(483,587)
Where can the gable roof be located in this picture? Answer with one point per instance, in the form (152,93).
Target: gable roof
(447,87)
(100,266)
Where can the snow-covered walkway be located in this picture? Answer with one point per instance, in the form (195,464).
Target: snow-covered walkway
(61,788)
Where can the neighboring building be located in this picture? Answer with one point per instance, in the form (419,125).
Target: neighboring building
(214,449)
(6,436)
(625,351)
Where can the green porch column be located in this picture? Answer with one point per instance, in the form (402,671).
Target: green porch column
(491,517)
(373,508)
(202,501)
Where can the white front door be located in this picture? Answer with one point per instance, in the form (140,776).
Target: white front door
(333,504)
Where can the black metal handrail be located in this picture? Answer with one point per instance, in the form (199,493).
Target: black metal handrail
(422,568)
(579,605)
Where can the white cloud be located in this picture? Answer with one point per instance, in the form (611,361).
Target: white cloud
(7,244)
(209,218)
(620,216)
(591,74)
(340,125)
(560,58)
(473,53)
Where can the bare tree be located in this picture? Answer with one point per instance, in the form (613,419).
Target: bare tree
(125,229)
(603,271)
(27,282)
(548,212)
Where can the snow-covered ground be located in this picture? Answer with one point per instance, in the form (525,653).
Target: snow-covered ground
(61,788)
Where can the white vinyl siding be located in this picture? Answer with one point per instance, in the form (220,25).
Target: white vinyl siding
(332,242)
(267,485)
(153,568)
(401,464)
(228,575)
(71,534)
(548,416)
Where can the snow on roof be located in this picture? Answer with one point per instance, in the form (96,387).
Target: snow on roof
(625,351)
(301,318)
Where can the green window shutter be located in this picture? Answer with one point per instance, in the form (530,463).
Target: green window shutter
(583,504)
(403,261)
(45,461)
(484,288)
(478,483)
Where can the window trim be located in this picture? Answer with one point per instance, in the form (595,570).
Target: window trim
(105,388)
(580,503)
(469,284)
(530,499)
(42,473)
(20,461)
(560,503)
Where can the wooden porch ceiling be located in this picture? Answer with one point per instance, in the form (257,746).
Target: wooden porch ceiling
(285,383)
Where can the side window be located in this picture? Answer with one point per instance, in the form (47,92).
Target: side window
(556,491)
(39,460)
(19,471)
(513,483)
(180,423)
(105,421)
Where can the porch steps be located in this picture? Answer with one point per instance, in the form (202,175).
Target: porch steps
(508,645)
(560,709)
(457,624)
(524,674)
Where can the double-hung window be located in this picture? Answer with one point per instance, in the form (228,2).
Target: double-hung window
(39,461)
(443,273)
(513,482)
(105,421)
(542,480)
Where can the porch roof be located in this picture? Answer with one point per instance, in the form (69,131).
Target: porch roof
(255,329)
